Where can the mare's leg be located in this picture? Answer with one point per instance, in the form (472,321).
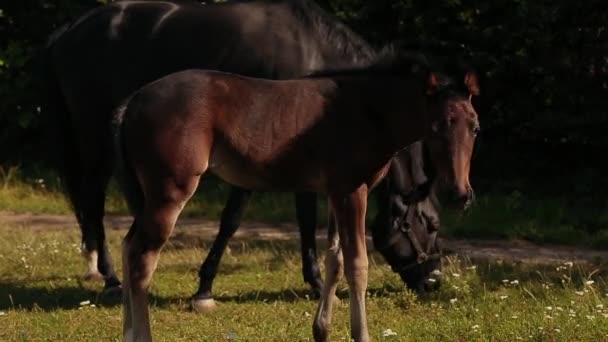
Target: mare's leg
(164,200)
(350,215)
(306,212)
(94,178)
(202,301)
(334,270)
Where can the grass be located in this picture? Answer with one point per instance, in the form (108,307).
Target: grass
(263,298)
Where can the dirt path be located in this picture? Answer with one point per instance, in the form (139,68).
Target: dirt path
(521,251)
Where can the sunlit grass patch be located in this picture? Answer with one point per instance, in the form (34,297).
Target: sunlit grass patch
(262,297)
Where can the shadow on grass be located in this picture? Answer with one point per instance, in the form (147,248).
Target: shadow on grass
(17,296)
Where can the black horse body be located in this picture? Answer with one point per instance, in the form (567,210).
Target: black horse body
(111,51)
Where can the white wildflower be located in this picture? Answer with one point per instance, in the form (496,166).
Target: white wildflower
(86,302)
(453,300)
(455,275)
(589,282)
(503,297)
(515,282)
(549,308)
(580,293)
(388,332)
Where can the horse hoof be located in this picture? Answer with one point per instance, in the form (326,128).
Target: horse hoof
(204,305)
(93,276)
(115,290)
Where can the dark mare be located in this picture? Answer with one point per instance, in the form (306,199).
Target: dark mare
(111,51)
(406,225)
(334,133)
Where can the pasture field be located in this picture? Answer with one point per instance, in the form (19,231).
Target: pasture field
(262,297)
(569,220)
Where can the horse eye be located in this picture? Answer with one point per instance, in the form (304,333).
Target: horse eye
(476,130)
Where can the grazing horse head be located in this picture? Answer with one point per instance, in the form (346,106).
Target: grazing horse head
(405,228)
(453,130)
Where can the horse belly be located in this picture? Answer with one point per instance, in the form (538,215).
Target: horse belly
(250,174)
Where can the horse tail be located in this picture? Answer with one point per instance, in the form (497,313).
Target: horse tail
(58,129)
(126,177)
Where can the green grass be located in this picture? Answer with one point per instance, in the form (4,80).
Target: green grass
(263,298)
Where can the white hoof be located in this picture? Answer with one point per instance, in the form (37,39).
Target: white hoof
(204,305)
(91,259)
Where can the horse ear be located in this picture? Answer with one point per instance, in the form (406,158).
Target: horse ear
(432,83)
(472,83)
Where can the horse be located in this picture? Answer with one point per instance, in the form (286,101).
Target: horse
(95,62)
(331,132)
(404,230)
(139,40)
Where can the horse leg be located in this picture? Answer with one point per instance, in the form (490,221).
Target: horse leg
(334,270)
(350,214)
(306,212)
(202,301)
(141,248)
(94,245)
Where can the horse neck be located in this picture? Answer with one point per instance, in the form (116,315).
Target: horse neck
(338,44)
(405,117)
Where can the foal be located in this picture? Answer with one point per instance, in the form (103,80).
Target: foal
(333,133)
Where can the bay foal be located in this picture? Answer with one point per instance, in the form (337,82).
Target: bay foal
(333,132)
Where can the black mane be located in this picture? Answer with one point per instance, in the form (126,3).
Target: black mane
(333,31)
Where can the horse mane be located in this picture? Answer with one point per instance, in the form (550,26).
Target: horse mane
(387,61)
(331,30)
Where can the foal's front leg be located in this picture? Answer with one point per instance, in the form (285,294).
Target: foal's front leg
(334,268)
(350,216)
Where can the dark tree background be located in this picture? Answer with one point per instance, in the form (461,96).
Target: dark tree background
(543,67)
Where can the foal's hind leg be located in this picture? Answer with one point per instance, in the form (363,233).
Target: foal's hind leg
(202,301)
(306,212)
(164,200)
